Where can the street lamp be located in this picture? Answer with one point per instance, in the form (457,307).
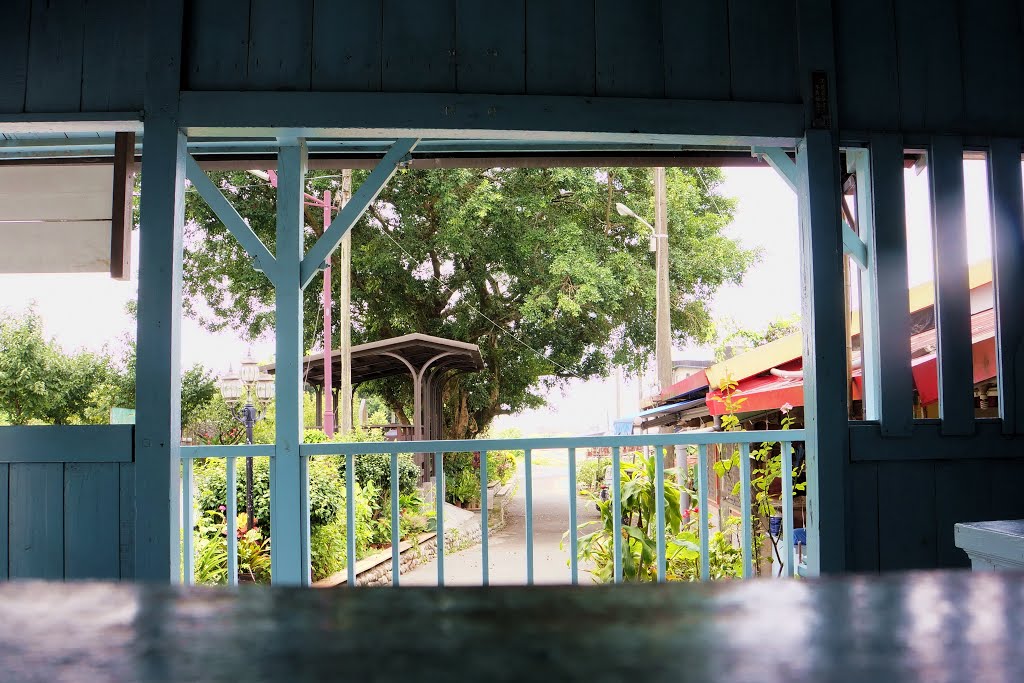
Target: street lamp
(254,388)
(629,213)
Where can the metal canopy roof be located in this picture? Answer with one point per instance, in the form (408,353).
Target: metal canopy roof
(390,357)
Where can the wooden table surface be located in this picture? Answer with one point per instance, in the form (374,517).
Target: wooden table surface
(935,627)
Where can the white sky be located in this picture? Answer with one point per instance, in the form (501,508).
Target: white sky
(87,310)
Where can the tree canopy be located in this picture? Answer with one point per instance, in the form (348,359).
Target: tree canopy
(534,265)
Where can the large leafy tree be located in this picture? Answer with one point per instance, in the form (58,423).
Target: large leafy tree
(534,265)
(38,380)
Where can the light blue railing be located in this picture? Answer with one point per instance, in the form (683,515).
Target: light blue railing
(570,445)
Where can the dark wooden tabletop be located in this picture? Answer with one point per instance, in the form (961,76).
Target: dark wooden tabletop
(934,627)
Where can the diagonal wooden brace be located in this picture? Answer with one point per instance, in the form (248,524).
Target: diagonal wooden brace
(354,209)
(263,260)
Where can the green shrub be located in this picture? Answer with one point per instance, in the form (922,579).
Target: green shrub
(326,489)
(590,472)
(328,548)
(375,468)
(501,466)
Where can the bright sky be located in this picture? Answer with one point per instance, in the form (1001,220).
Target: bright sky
(88,310)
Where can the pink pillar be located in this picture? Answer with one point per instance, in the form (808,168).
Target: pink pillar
(328,360)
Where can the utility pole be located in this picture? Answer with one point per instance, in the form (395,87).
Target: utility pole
(345,320)
(328,356)
(663,336)
(663,340)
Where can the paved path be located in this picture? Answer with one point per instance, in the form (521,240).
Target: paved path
(507,548)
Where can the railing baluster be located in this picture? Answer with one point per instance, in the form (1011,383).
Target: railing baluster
(350,516)
(787,507)
(574,568)
(746,513)
(188,549)
(702,512)
(616,515)
(528,474)
(484,569)
(439,506)
(232,515)
(396,524)
(659,507)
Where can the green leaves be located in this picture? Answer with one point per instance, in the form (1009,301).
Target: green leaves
(534,265)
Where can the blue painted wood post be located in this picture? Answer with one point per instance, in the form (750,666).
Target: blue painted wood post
(826,418)
(952,288)
(289,550)
(1008,248)
(162,209)
(158,398)
(889,273)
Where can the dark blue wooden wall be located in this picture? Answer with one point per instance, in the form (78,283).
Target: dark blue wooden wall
(910,65)
(66,502)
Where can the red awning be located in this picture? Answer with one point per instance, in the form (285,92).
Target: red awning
(768,392)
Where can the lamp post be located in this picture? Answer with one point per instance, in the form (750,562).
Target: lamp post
(254,388)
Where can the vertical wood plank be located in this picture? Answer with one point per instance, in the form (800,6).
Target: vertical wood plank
(1005,476)
(55,56)
(36,521)
(963,493)
(418,46)
(952,291)
(866,63)
(628,42)
(906,514)
(4,521)
(992,47)
(695,42)
(158,392)
(889,254)
(91,521)
(930,75)
(347,45)
(126,521)
(555,65)
(1007,200)
(216,45)
(14,34)
(491,46)
(113,64)
(824,353)
(862,538)
(762,50)
(280,45)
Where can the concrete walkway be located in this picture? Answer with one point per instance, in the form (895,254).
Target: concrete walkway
(507,548)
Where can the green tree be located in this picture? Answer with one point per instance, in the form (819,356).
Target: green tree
(24,367)
(72,381)
(39,381)
(198,384)
(734,338)
(534,265)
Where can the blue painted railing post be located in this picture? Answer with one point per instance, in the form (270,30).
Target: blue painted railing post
(826,416)
(289,549)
